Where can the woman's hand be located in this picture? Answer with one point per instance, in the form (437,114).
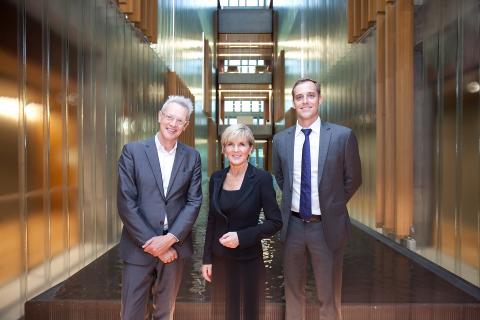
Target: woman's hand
(207,272)
(230,240)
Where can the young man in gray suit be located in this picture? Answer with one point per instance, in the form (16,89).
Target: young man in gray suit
(317,166)
(159,197)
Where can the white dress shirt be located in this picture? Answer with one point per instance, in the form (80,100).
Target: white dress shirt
(166,159)
(297,165)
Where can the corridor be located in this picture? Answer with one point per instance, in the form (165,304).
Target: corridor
(79,79)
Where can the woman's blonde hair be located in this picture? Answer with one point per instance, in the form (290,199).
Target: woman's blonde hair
(237,131)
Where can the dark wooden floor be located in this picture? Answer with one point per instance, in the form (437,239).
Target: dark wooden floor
(379,283)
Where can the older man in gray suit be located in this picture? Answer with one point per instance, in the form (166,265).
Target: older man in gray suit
(317,166)
(159,197)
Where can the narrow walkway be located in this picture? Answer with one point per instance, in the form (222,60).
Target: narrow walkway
(379,283)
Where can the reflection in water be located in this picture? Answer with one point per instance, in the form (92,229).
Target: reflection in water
(375,277)
(372,273)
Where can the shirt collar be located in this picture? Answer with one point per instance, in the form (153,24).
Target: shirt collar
(315,127)
(162,149)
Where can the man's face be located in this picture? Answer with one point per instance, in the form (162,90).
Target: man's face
(306,101)
(173,120)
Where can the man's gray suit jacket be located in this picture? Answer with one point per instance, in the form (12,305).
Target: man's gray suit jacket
(339,176)
(142,204)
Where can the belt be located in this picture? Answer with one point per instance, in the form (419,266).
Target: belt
(165,231)
(313,218)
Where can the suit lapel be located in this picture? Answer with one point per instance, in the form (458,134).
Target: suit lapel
(179,156)
(325,134)
(289,149)
(217,186)
(152,156)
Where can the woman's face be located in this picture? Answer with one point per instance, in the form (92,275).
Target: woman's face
(237,151)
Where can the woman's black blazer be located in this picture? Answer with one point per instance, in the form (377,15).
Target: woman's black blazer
(257,193)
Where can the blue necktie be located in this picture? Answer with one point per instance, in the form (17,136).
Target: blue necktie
(306,179)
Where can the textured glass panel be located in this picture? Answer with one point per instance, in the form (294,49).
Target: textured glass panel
(89,128)
(80,101)
(36,145)
(127,85)
(426,216)
(134,80)
(90,84)
(425,64)
(71,143)
(57,136)
(100,130)
(469,207)
(11,265)
(111,96)
(317,48)
(447,140)
(447,111)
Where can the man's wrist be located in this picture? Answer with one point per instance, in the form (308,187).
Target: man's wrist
(174,237)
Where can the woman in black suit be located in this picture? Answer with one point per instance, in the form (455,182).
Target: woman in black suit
(233,256)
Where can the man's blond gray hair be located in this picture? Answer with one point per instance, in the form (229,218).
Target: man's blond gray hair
(181,100)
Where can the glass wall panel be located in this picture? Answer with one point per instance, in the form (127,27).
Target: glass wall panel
(76,83)
(446,217)
(99,118)
(11,221)
(35,147)
(447,98)
(71,139)
(469,160)
(313,36)
(191,24)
